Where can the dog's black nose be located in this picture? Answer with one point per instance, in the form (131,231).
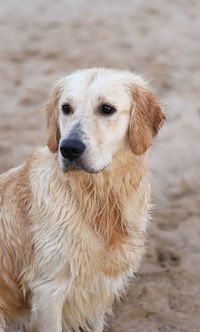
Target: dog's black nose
(72,149)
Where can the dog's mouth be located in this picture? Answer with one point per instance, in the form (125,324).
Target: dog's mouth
(78,165)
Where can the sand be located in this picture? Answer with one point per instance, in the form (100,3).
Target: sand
(43,40)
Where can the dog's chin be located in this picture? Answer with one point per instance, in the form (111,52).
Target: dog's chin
(68,165)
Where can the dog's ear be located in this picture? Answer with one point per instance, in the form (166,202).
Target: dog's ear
(53,131)
(147,118)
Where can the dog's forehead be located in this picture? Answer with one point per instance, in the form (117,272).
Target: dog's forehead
(97,84)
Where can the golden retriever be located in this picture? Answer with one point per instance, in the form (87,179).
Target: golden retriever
(73,217)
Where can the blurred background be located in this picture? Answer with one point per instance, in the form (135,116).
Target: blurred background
(44,40)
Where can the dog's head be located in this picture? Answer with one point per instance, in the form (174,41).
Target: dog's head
(94,114)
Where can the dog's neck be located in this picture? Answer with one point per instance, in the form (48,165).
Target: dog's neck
(102,197)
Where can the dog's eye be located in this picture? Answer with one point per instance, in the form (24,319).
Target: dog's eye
(66,108)
(106,109)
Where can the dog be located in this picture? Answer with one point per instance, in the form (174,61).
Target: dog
(73,218)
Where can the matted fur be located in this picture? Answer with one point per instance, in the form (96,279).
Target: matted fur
(69,241)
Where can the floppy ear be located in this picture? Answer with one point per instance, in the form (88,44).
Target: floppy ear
(147,118)
(53,132)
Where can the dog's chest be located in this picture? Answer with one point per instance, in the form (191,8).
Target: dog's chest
(102,236)
(93,236)
(87,247)
(93,255)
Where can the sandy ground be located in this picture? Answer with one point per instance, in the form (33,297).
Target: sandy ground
(41,41)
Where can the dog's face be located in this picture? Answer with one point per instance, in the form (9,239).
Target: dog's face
(95,114)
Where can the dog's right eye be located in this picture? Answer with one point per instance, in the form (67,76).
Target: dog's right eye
(66,109)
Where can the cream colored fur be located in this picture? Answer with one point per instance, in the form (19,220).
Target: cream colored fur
(70,240)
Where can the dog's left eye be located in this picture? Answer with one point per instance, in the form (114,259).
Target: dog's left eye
(106,109)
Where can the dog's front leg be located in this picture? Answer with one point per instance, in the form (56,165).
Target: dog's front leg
(98,328)
(99,325)
(47,318)
(2,323)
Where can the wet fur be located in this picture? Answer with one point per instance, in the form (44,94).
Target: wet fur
(73,239)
